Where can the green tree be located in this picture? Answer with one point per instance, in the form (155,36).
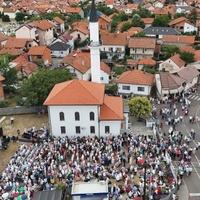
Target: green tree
(20,16)
(35,90)
(140,107)
(193,15)
(73,18)
(125,26)
(188,57)
(111,89)
(105,10)
(169,50)
(137,22)
(10,74)
(5,18)
(117,19)
(162,21)
(143,12)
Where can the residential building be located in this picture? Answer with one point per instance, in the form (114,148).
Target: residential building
(23,66)
(40,31)
(135,82)
(113,44)
(40,55)
(104,22)
(147,21)
(79,65)
(73,10)
(59,25)
(3,40)
(159,32)
(1,88)
(81,108)
(146,62)
(141,47)
(59,49)
(183,25)
(172,65)
(179,40)
(173,84)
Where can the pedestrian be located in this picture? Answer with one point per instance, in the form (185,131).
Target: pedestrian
(11,120)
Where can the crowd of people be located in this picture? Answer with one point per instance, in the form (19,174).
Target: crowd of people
(120,161)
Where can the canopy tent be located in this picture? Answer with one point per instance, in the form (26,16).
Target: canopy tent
(48,195)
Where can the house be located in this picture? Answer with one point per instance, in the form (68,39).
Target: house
(130,7)
(11,12)
(141,47)
(173,84)
(173,64)
(59,49)
(79,65)
(3,39)
(40,54)
(179,40)
(23,66)
(135,82)
(149,62)
(159,32)
(19,43)
(73,10)
(133,31)
(81,108)
(182,7)
(80,30)
(1,88)
(59,25)
(147,21)
(113,44)
(40,31)
(104,22)
(183,25)
(110,3)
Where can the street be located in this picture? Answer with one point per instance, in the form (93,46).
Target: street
(191,184)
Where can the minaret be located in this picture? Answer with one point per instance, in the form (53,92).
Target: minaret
(94,45)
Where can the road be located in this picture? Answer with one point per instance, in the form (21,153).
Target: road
(191,184)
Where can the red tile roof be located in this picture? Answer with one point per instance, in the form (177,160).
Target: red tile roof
(58,20)
(182,39)
(147,61)
(1,78)
(177,60)
(76,92)
(114,38)
(177,21)
(17,43)
(142,42)
(112,108)
(136,77)
(42,24)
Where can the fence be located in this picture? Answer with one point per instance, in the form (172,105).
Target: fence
(21,110)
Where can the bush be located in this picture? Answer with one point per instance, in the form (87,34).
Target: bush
(5,18)
(3,104)
(119,70)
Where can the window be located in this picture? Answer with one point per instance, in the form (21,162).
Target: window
(125,87)
(77,116)
(107,129)
(62,130)
(91,116)
(101,78)
(92,129)
(140,89)
(78,129)
(62,116)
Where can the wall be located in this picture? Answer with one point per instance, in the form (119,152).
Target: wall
(138,53)
(105,77)
(58,54)
(115,127)
(45,37)
(133,89)
(83,37)
(25,32)
(169,66)
(189,28)
(110,53)
(191,83)
(20,110)
(70,122)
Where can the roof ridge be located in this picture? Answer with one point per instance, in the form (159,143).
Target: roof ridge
(89,91)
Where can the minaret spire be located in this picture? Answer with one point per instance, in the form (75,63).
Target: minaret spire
(93,13)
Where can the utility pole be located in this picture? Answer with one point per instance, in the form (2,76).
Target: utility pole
(145,180)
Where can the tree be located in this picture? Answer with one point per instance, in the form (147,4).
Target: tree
(73,18)
(137,22)
(169,50)
(193,15)
(20,16)
(188,57)
(140,107)
(105,10)
(143,12)
(162,21)
(5,18)
(111,89)
(125,26)
(36,89)
(117,19)
(10,74)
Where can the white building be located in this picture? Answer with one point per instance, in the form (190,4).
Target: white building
(135,82)
(81,108)
(172,65)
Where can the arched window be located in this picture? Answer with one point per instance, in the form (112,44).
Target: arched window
(62,116)
(77,116)
(91,116)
